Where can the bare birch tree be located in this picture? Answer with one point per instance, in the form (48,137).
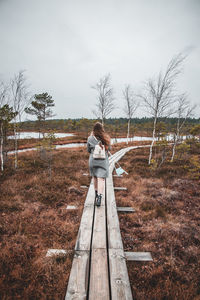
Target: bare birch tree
(3,93)
(160,93)
(184,111)
(105,103)
(20,98)
(130,106)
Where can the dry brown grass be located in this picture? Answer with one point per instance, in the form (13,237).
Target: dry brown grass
(166,223)
(33,218)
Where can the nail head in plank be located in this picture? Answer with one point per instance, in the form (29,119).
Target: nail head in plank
(78,279)
(125,209)
(116,188)
(138,256)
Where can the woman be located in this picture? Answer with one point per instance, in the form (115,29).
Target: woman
(99,168)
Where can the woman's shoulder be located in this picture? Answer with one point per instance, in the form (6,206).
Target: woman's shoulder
(91,137)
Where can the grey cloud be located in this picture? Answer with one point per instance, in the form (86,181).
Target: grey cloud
(66,46)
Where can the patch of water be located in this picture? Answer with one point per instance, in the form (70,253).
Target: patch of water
(35,135)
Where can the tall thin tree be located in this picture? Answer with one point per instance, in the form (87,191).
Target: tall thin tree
(130,106)
(184,111)
(105,99)
(160,93)
(41,108)
(20,98)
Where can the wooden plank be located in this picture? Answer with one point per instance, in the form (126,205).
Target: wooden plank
(83,240)
(125,209)
(84,186)
(71,207)
(99,228)
(99,283)
(119,280)
(53,252)
(90,196)
(138,256)
(118,188)
(114,235)
(78,280)
(120,176)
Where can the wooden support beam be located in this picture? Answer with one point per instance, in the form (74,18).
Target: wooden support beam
(52,252)
(71,207)
(116,188)
(138,256)
(84,186)
(125,209)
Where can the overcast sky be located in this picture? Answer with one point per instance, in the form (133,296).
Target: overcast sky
(66,46)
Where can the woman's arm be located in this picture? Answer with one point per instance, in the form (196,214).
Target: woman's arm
(88,146)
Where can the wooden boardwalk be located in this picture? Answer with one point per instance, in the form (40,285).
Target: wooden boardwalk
(99,265)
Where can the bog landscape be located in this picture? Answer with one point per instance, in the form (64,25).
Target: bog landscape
(99,150)
(44,173)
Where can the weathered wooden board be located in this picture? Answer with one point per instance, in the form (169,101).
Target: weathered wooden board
(54,252)
(78,280)
(125,209)
(119,188)
(138,256)
(90,195)
(99,282)
(114,235)
(71,207)
(83,240)
(120,285)
(84,186)
(99,228)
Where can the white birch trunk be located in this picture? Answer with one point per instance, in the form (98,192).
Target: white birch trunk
(1,150)
(128,132)
(153,139)
(15,135)
(176,140)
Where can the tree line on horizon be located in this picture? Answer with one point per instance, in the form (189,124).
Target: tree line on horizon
(168,110)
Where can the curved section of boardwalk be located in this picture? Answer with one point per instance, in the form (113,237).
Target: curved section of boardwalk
(99,267)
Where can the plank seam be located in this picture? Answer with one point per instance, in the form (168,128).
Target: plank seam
(107,244)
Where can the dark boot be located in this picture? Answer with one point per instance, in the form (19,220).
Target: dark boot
(99,200)
(96,196)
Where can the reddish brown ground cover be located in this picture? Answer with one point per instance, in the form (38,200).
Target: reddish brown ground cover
(166,223)
(33,218)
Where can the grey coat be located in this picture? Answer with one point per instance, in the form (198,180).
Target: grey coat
(97,167)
